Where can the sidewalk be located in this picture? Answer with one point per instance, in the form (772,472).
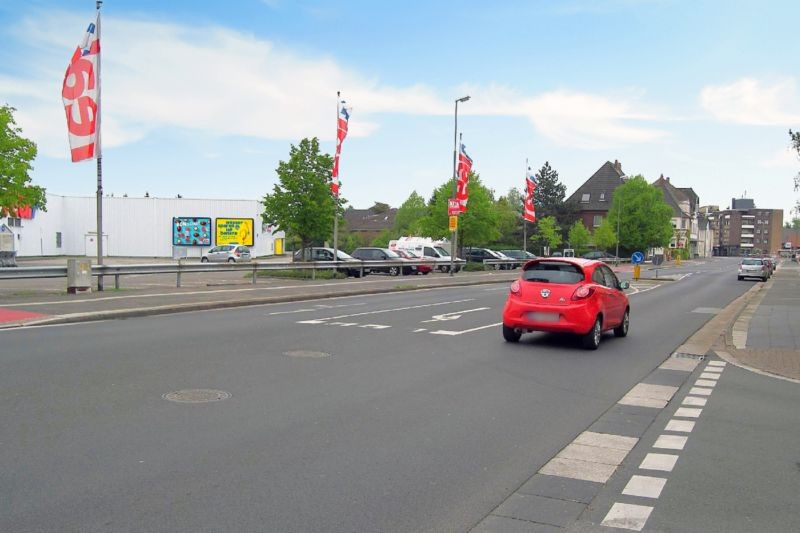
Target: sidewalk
(766,335)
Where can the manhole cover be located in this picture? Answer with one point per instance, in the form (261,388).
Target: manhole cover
(307,353)
(197,396)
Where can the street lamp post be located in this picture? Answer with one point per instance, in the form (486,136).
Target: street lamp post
(454,234)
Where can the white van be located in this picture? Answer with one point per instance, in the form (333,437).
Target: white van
(427,248)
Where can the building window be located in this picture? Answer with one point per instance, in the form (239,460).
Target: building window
(585,198)
(597,220)
(602,197)
(58,239)
(766,222)
(15,222)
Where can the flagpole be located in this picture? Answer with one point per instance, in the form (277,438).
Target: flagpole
(336,196)
(98,5)
(525,220)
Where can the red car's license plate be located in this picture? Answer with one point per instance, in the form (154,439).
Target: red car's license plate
(543,317)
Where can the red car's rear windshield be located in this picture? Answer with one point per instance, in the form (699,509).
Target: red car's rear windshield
(553,272)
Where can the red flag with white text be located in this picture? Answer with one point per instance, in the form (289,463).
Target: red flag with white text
(530,189)
(464,168)
(341,133)
(80,93)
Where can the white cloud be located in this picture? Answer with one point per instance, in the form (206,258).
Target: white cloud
(222,82)
(750,101)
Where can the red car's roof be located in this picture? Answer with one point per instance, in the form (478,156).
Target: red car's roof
(579,261)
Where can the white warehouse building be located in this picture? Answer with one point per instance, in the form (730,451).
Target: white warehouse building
(136,227)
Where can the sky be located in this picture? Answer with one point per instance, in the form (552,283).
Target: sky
(203,99)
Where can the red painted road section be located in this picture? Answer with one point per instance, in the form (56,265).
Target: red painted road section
(12,315)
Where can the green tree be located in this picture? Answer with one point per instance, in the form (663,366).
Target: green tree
(548,233)
(550,192)
(645,220)
(409,214)
(475,227)
(794,224)
(510,208)
(382,240)
(605,236)
(301,203)
(16,155)
(579,237)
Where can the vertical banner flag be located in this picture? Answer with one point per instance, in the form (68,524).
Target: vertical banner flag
(341,133)
(80,94)
(464,168)
(530,188)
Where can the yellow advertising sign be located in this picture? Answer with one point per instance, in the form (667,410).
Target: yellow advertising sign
(234,231)
(453,223)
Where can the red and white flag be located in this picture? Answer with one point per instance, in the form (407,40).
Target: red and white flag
(81,96)
(530,189)
(464,168)
(341,133)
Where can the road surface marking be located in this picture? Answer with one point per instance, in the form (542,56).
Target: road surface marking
(705,383)
(645,486)
(627,516)
(682,426)
(452,333)
(688,412)
(717,363)
(694,400)
(659,461)
(454,315)
(418,330)
(700,391)
(380,311)
(709,375)
(374,326)
(670,442)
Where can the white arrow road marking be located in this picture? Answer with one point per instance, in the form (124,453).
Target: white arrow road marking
(454,315)
(374,326)
(343,324)
(445,332)
(322,320)
(419,330)
(318,307)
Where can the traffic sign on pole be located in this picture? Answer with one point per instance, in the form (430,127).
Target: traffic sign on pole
(453,223)
(453,207)
(637,258)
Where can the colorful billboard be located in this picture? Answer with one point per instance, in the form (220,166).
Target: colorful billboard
(191,231)
(234,231)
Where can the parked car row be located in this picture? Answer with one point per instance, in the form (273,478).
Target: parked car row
(370,253)
(481,255)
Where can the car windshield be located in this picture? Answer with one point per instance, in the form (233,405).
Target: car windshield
(516,254)
(391,254)
(441,250)
(341,255)
(553,272)
(751,261)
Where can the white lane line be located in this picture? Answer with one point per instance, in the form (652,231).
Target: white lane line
(452,333)
(395,309)
(670,442)
(343,324)
(419,330)
(700,391)
(681,426)
(709,375)
(713,370)
(694,400)
(688,412)
(659,461)
(318,307)
(374,326)
(627,516)
(645,486)
(705,383)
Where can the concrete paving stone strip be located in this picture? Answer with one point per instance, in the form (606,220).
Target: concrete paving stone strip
(648,395)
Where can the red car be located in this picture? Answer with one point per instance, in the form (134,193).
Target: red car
(567,295)
(408,254)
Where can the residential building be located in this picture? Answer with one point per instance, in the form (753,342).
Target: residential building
(593,198)
(747,230)
(685,216)
(367,224)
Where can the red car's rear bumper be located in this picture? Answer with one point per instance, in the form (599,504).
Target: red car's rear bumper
(572,317)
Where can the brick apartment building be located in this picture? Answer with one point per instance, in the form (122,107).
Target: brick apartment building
(746,230)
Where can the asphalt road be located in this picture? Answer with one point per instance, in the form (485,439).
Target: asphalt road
(390,412)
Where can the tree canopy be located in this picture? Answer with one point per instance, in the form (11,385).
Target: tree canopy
(548,232)
(475,227)
(301,203)
(645,220)
(409,214)
(794,136)
(550,192)
(579,237)
(16,155)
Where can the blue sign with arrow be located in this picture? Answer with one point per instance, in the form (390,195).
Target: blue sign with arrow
(637,258)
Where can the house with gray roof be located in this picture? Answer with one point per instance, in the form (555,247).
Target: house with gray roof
(593,198)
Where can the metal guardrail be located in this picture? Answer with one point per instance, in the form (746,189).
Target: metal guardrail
(253,267)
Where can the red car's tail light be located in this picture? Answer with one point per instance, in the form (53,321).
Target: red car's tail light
(515,287)
(582,292)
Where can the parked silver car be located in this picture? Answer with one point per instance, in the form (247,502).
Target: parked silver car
(227,253)
(753,267)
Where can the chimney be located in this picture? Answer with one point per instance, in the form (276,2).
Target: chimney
(667,179)
(618,166)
